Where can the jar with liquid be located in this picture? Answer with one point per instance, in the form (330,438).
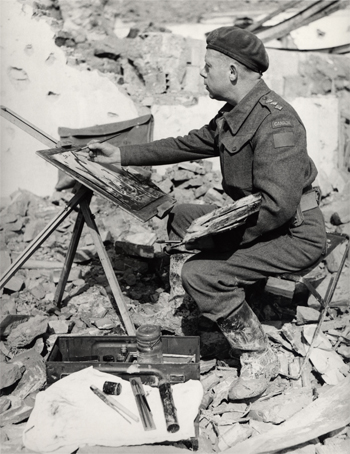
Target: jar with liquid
(149,344)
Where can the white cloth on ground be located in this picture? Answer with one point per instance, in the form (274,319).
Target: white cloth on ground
(68,415)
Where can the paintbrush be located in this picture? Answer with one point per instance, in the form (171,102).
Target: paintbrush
(86,147)
(119,408)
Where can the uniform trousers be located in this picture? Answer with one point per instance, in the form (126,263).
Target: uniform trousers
(216,279)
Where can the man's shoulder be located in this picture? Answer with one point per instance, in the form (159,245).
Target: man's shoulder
(278,106)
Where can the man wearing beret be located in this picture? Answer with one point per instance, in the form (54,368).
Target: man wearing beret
(261,142)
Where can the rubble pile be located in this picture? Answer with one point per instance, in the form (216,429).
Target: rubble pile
(312,406)
(30,321)
(85,31)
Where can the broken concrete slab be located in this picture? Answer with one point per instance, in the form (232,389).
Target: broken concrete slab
(5,404)
(10,373)
(306,315)
(34,377)
(59,326)
(280,408)
(330,411)
(26,332)
(15,284)
(330,365)
(235,434)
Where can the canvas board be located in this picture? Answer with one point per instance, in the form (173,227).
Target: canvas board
(125,187)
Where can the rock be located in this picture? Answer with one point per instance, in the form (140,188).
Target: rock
(84,254)
(306,315)
(280,408)
(214,196)
(38,292)
(19,204)
(330,365)
(34,377)
(8,218)
(104,323)
(98,311)
(10,322)
(75,274)
(15,284)
(16,415)
(33,229)
(166,185)
(191,166)
(199,192)
(235,434)
(10,373)
(5,261)
(26,332)
(182,175)
(196,182)
(8,305)
(59,326)
(14,226)
(111,47)
(106,236)
(340,206)
(5,404)
(344,351)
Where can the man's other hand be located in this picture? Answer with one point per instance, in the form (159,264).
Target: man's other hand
(202,244)
(104,153)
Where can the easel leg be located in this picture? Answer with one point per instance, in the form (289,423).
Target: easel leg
(107,266)
(78,228)
(38,241)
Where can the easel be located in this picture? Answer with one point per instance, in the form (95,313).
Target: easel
(81,201)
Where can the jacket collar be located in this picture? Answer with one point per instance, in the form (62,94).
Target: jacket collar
(235,116)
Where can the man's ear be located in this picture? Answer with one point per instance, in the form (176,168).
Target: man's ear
(233,73)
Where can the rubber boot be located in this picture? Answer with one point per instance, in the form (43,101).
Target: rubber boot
(259,363)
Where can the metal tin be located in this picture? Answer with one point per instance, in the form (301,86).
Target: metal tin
(110,387)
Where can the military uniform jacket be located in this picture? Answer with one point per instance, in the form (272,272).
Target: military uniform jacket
(261,143)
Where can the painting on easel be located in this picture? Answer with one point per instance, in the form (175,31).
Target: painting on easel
(125,187)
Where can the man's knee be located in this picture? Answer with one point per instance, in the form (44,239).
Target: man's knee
(182,216)
(189,276)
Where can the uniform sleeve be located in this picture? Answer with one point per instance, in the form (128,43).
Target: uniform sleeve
(197,144)
(281,166)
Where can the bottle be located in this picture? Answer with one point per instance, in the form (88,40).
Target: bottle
(149,344)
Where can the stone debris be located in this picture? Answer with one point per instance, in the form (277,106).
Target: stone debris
(30,322)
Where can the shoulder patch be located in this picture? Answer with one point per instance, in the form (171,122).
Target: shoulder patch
(281,123)
(284,139)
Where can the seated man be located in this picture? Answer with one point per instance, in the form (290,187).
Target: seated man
(261,142)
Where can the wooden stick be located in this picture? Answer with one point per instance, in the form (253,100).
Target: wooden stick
(108,269)
(42,236)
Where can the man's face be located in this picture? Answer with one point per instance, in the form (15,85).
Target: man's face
(216,75)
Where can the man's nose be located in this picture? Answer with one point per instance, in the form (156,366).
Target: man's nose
(202,72)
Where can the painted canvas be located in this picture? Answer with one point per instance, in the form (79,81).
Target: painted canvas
(126,187)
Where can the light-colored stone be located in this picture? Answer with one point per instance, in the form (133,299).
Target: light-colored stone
(24,333)
(10,373)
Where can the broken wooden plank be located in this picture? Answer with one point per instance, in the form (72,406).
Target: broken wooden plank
(298,20)
(331,411)
(284,7)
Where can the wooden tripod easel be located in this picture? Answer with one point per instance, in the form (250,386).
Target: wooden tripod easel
(81,201)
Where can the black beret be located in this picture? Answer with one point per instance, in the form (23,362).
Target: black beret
(240,45)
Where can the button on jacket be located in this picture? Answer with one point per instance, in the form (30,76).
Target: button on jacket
(261,143)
